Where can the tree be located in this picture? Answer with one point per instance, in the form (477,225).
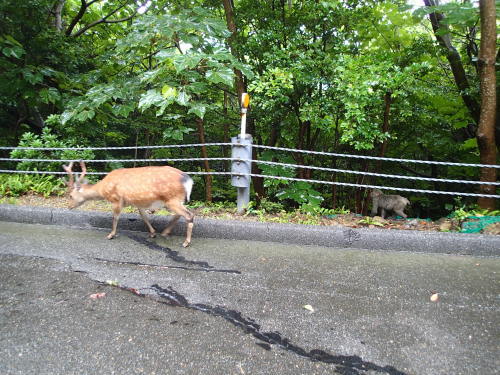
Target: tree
(486,129)
(483,110)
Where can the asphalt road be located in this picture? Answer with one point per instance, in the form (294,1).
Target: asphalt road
(237,307)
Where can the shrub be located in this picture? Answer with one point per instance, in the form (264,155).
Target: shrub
(46,140)
(16,185)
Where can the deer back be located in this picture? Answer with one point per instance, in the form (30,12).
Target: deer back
(144,185)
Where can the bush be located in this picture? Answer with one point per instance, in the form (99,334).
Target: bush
(16,185)
(46,140)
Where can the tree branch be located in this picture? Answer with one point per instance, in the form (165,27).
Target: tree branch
(79,16)
(98,22)
(454,60)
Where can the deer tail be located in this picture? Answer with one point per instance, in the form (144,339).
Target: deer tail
(187,182)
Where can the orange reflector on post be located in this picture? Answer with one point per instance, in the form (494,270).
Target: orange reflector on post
(245,100)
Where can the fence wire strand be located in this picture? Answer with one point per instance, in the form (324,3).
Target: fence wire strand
(375,157)
(256,146)
(285,165)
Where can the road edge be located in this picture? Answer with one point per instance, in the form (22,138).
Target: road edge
(336,237)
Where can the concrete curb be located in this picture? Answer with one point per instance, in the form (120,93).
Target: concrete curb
(329,236)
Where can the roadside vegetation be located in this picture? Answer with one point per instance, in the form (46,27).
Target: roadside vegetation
(48,191)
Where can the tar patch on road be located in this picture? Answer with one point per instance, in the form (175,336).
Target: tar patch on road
(173,255)
(160,266)
(346,365)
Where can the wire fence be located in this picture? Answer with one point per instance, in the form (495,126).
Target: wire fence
(289,166)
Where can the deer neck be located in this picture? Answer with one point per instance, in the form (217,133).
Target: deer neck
(91,192)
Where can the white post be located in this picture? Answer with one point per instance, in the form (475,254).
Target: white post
(245,100)
(242,149)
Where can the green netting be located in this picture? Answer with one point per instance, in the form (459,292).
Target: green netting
(476,224)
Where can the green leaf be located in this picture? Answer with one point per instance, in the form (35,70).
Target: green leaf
(151,97)
(14,51)
(50,95)
(85,115)
(66,116)
(12,41)
(169,92)
(123,110)
(182,62)
(469,144)
(198,109)
(183,98)
(224,76)
(32,77)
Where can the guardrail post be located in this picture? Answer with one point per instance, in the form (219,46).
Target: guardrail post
(240,169)
(242,149)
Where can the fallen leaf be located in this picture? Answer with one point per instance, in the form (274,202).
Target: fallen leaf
(434,297)
(112,282)
(97,295)
(308,307)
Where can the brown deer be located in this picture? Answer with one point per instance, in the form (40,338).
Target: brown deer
(144,188)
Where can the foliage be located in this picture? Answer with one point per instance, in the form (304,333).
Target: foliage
(360,76)
(461,211)
(46,140)
(19,184)
(212,207)
(370,221)
(328,212)
(166,62)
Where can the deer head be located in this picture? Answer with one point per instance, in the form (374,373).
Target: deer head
(77,188)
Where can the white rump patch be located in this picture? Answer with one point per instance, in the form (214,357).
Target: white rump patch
(188,186)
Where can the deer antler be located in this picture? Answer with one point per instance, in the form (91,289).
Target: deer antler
(84,172)
(71,181)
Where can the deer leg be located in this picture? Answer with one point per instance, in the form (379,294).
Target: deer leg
(152,232)
(117,209)
(382,213)
(401,213)
(170,225)
(179,210)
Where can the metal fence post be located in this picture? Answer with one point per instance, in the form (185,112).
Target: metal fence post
(241,149)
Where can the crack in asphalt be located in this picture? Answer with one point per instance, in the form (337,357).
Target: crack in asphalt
(345,364)
(160,266)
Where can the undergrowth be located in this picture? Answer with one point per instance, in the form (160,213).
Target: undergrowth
(17,185)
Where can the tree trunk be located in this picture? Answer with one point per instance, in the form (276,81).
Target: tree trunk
(383,148)
(57,13)
(486,130)
(385,125)
(455,61)
(334,163)
(231,25)
(204,154)
(225,149)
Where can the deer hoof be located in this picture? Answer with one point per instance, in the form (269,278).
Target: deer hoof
(185,244)
(110,236)
(152,235)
